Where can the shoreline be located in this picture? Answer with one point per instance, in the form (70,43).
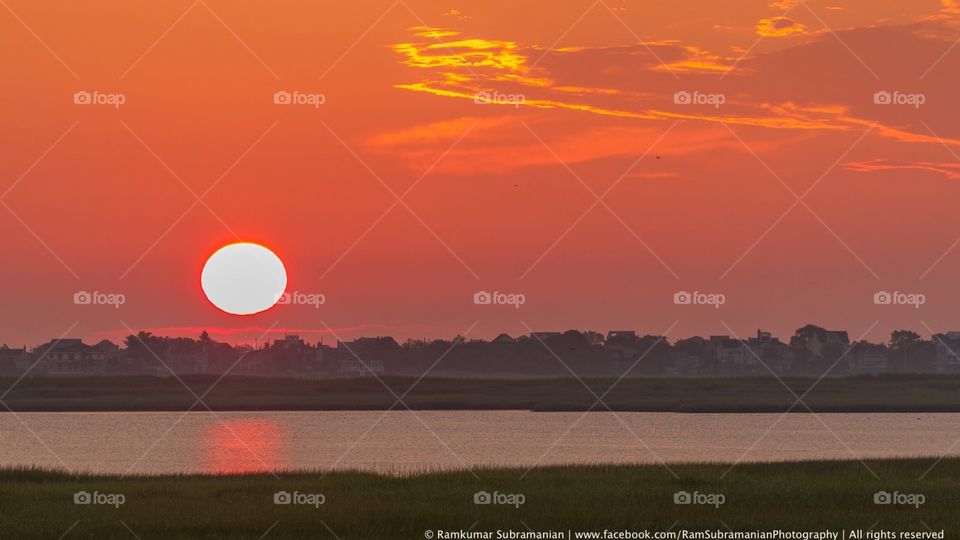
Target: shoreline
(718,411)
(53,473)
(907,393)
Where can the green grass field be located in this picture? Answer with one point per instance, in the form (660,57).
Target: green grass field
(805,496)
(890,393)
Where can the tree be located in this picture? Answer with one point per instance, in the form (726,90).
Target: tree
(143,345)
(900,339)
(902,344)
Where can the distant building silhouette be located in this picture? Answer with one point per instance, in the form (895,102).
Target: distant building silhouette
(812,351)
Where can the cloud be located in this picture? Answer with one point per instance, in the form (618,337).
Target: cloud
(779,27)
(696,59)
(456,14)
(948,170)
(502,144)
(629,87)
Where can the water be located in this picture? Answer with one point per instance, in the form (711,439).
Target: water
(402,442)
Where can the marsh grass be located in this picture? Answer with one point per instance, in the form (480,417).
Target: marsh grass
(809,495)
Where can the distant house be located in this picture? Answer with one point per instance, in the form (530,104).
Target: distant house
(364,357)
(774,354)
(948,352)
(503,339)
(251,361)
(13,361)
(819,342)
(353,367)
(731,354)
(595,339)
(867,359)
(683,363)
(70,357)
(621,346)
(544,336)
(289,341)
(183,356)
(761,354)
(370,344)
(184,362)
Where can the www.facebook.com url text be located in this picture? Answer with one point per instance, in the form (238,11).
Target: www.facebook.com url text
(684,534)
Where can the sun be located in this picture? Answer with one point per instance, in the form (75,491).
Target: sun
(243,278)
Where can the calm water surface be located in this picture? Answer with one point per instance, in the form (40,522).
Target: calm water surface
(406,442)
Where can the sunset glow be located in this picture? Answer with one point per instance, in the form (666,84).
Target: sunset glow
(402,157)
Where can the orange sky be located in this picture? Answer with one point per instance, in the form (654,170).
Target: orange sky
(502,196)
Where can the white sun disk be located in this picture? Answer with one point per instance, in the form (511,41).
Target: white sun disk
(243,278)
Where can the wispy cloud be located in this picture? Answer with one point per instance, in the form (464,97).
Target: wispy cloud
(948,170)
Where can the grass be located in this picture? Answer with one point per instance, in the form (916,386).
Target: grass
(803,496)
(889,393)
